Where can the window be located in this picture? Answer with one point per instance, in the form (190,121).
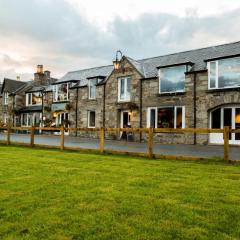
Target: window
(60,92)
(166,117)
(5,98)
(31,119)
(92,88)
(91,119)
(33,99)
(224,73)
(172,79)
(124,89)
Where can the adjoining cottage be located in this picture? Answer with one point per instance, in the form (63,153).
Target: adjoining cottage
(192,89)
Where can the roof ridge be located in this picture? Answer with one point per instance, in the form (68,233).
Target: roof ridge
(220,45)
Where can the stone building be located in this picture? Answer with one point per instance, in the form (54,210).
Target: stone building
(192,89)
(22,101)
(197,88)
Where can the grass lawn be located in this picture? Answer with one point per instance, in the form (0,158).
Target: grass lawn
(49,194)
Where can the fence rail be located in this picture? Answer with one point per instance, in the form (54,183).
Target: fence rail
(149,131)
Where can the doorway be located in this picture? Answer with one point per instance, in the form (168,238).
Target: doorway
(125,122)
(62,119)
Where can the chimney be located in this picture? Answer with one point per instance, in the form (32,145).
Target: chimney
(40,69)
(47,74)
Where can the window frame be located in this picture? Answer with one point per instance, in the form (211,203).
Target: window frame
(217,74)
(125,89)
(88,117)
(95,87)
(175,115)
(31,99)
(159,79)
(56,92)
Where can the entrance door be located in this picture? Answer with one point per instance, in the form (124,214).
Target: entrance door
(125,123)
(225,116)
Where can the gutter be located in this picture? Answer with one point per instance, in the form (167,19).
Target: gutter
(195,106)
(104,103)
(140,110)
(76,113)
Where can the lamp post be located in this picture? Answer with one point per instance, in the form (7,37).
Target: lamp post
(117,61)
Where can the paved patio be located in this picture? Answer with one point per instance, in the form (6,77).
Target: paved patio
(166,149)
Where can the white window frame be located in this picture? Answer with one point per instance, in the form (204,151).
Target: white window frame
(209,74)
(216,75)
(125,89)
(55,92)
(31,97)
(33,116)
(5,98)
(88,124)
(89,88)
(27,98)
(175,115)
(159,79)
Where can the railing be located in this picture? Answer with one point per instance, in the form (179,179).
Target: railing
(102,131)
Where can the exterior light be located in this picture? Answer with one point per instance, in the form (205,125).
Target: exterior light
(117,61)
(55,114)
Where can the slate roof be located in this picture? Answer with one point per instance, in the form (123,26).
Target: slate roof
(149,67)
(81,76)
(11,85)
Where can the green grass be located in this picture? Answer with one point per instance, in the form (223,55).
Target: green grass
(49,194)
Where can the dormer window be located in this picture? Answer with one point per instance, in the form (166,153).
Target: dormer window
(124,89)
(172,79)
(224,73)
(34,98)
(92,88)
(61,92)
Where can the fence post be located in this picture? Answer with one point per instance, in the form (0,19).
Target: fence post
(62,138)
(101,144)
(226,143)
(150,142)
(32,131)
(8,135)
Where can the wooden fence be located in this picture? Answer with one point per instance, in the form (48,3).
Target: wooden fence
(149,131)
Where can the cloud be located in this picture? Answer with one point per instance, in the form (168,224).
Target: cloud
(54,33)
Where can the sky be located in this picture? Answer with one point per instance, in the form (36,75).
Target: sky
(68,35)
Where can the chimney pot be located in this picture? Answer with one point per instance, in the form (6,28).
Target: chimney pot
(39,68)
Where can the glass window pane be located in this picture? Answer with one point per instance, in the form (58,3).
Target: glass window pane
(172,79)
(36,98)
(212,74)
(122,88)
(229,72)
(237,123)
(179,117)
(216,119)
(227,119)
(128,88)
(92,86)
(91,119)
(152,118)
(165,118)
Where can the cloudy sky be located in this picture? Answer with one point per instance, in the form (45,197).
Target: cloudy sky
(66,35)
